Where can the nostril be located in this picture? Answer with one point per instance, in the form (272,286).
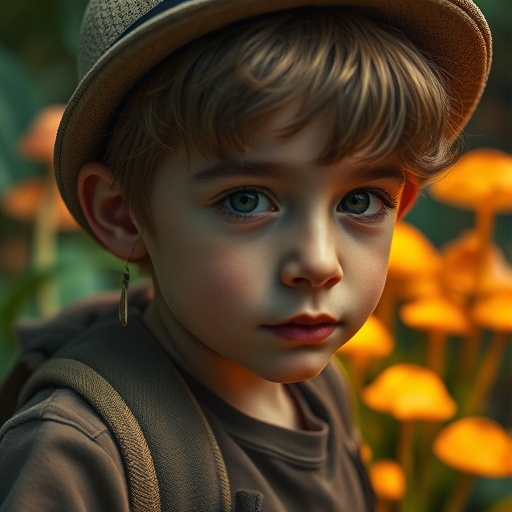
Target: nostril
(300,275)
(333,281)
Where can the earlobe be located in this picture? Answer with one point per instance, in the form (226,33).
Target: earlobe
(409,195)
(107,213)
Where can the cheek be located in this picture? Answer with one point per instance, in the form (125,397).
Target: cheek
(367,275)
(223,277)
(209,276)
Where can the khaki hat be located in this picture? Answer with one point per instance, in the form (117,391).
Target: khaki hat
(121,40)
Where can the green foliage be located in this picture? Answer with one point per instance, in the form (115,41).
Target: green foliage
(17,107)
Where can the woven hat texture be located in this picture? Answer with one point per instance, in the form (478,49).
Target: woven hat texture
(121,40)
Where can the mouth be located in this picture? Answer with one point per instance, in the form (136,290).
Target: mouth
(305,329)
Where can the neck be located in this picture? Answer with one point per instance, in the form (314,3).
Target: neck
(247,392)
(270,402)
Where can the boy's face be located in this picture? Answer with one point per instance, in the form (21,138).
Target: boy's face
(269,262)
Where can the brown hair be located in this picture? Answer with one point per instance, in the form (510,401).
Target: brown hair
(382,95)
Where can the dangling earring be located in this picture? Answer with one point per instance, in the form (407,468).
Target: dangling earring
(123,301)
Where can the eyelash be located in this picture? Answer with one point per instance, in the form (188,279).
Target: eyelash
(389,204)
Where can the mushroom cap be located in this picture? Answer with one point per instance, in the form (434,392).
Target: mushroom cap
(435,313)
(479,175)
(412,254)
(388,480)
(420,287)
(373,340)
(494,311)
(459,266)
(365,452)
(38,141)
(409,391)
(476,445)
(22,202)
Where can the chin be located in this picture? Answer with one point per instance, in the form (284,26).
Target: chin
(307,369)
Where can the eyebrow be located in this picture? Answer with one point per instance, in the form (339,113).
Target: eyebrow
(231,168)
(384,172)
(235,168)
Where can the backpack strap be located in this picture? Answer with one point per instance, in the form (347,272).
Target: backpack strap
(188,463)
(141,475)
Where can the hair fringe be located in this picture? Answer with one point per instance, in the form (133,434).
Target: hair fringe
(380,95)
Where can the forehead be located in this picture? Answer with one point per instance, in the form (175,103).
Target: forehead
(271,133)
(271,138)
(274,155)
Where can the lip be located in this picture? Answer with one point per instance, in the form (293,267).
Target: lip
(305,329)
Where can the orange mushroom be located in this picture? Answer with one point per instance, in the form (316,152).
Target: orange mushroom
(481,178)
(475,446)
(41,201)
(372,341)
(493,312)
(365,452)
(412,254)
(38,141)
(23,201)
(440,317)
(435,313)
(413,266)
(388,482)
(409,391)
(481,181)
(459,271)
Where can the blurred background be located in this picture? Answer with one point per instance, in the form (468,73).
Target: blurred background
(45,262)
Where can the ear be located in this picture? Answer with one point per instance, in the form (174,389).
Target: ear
(409,195)
(108,214)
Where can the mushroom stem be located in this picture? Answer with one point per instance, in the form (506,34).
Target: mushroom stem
(426,462)
(435,355)
(470,353)
(485,226)
(383,506)
(460,493)
(487,373)
(356,369)
(404,457)
(44,245)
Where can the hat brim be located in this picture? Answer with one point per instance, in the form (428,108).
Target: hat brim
(453,32)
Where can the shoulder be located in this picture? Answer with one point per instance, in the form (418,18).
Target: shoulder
(57,451)
(62,407)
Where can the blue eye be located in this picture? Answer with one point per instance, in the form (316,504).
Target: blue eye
(365,205)
(356,203)
(245,204)
(244,201)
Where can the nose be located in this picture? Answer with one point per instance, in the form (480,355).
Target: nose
(312,259)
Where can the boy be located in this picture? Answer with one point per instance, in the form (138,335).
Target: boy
(253,157)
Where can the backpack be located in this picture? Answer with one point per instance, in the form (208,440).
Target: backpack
(184,473)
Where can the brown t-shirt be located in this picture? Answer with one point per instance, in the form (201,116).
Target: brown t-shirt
(316,469)
(57,455)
